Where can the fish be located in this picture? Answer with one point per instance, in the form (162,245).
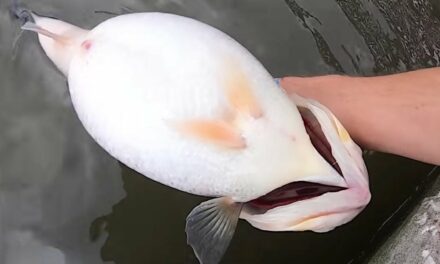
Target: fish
(186,105)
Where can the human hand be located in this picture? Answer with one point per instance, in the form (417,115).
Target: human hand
(398,113)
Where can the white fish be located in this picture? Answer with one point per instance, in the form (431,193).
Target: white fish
(187,106)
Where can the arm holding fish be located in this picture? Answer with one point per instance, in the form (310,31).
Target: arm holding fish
(398,113)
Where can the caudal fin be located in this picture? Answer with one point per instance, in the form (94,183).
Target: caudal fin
(31,26)
(18,11)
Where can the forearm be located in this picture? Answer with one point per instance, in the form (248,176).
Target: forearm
(398,114)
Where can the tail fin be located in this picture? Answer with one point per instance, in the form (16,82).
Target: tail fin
(35,28)
(27,19)
(58,39)
(18,11)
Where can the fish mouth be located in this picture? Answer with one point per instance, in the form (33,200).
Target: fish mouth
(290,193)
(301,190)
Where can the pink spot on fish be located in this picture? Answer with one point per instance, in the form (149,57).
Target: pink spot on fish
(87,44)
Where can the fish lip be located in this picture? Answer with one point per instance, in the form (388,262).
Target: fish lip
(315,214)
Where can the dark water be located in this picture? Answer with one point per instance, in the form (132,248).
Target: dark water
(64,200)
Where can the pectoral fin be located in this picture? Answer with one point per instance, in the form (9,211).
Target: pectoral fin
(210,227)
(215,131)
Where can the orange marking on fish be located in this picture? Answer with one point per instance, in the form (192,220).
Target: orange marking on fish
(218,132)
(239,92)
(343,134)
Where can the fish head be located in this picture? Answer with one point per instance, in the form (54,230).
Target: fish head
(322,202)
(315,198)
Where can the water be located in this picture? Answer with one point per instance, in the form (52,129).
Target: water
(64,200)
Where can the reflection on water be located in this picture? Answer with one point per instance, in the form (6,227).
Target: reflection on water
(64,200)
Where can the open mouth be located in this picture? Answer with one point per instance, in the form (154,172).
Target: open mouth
(302,190)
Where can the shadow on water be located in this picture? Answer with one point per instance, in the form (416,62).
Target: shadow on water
(64,200)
